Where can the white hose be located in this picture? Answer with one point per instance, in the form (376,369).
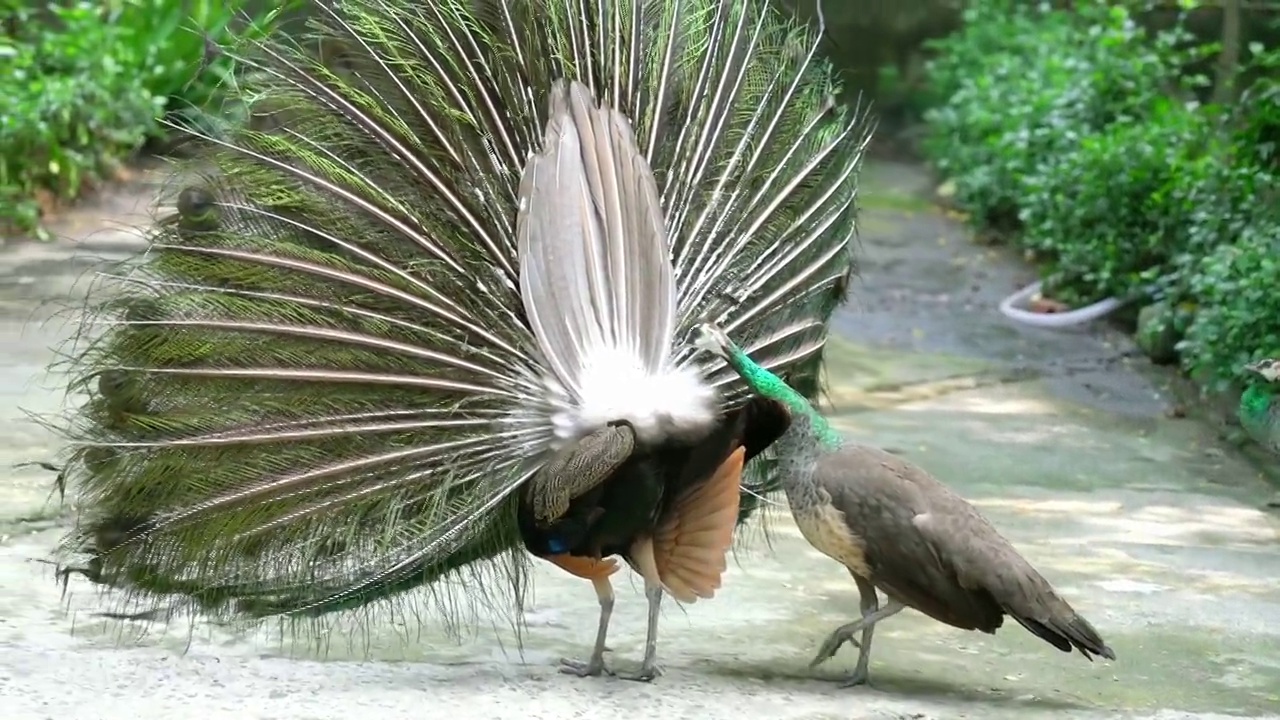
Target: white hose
(1011,309)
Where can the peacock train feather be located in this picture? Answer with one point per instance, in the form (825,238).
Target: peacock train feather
(321,387)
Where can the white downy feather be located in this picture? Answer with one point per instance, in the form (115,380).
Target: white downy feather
(597,279)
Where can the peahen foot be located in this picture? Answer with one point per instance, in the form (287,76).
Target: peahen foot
(859,676)
(836,640)
(594,667)
(646,673)
(872,613)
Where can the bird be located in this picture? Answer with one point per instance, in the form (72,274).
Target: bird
(897,529)
(415,319)
(1259,410)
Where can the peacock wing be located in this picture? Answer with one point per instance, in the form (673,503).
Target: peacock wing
(595,268)
(579,468)
(691,544)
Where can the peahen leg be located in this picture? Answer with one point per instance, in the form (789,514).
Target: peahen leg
(649,668)
(872,613)
(595,664)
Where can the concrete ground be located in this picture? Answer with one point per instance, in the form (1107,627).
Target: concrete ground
(1147,524)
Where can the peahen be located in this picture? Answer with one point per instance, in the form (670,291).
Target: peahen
(1260,404)
(898,530)
(418,315)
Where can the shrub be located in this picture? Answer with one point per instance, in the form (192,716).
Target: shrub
(1234,289)
(1113,216)
(1238,312)
(87,82)
(71,108)
(1257,127)
(1022,86)
(173,44)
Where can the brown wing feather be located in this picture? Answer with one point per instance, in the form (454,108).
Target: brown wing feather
(933,551)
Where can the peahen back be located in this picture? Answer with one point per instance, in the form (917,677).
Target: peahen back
(318,388)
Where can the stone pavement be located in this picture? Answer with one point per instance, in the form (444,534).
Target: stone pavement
(1148,525)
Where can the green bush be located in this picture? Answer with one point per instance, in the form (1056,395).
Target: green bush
(71,107)
(1020,86)
(1235,290)
(1257,130)
(1080,131)
(1237,316)
(86,84)
(1114,216)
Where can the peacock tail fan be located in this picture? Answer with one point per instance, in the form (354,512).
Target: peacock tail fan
(317,388)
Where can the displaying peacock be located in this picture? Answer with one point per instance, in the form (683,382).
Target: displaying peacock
(897,529)
(1259,409)
(419,315)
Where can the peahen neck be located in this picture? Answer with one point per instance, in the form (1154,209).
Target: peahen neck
(802,446)
(808,427)
(1260,415)
(1256,401)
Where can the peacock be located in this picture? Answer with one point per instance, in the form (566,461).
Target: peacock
(415,320)
(1259,410)
(900,531)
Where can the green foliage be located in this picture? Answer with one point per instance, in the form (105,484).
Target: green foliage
(1236,288)
(1258,112)
(1237,318)
(1114,216)
(86,84)
(71,108)
(1080,132)
(1021,86)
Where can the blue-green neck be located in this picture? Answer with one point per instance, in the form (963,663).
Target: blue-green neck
(773,387)
(1256,400)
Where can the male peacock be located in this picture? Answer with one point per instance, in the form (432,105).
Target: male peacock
(1259,410)
(899,530)
(419,314)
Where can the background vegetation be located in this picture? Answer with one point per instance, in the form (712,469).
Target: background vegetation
(1105,151)
(1126,154)
(89,82)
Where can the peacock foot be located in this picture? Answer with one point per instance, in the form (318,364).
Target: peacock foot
(594,667)
(646,673)
(836,640)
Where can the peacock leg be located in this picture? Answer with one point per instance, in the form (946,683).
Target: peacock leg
(595,664)
(649,668)
(872,613)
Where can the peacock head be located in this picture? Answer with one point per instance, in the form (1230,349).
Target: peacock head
(1268,368)
(708,337)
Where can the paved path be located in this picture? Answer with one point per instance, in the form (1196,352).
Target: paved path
(1147,524)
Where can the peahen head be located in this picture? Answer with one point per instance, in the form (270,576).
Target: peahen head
(708,337)
(711,338)
(1267,368)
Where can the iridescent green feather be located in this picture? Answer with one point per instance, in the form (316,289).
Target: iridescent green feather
(317,388)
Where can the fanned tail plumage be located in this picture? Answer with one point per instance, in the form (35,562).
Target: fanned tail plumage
(320,386)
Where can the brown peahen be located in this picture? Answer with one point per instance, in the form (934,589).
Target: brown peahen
(900,531)
(419,315)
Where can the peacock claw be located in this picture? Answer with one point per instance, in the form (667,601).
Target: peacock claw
(591,668)
(833,643)
(644,674)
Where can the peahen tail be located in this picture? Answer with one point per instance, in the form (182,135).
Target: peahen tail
(319,386)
